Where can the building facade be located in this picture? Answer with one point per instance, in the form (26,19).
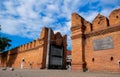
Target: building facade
(49,51)
(96,45)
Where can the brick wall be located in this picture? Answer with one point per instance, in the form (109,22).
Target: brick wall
(84,33)
(102,58)
(33,53)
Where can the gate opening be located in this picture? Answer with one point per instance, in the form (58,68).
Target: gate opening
(56,57)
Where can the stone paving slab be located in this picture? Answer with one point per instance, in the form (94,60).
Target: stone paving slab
(53,73)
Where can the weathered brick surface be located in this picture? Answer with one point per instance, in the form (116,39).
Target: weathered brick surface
(76,60)
(84,57)
(100,22)
(102,58)
(114,17)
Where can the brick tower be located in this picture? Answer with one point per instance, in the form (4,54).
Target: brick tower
(78,29)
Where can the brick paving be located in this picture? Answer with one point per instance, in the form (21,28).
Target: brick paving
(53,73)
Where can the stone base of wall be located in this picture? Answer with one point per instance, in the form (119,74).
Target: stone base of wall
(77,67)
(81,66)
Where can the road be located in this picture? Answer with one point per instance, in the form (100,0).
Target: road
(53,73)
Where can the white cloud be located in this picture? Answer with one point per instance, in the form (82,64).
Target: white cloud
(52,8)
(8,27)
(89,16)
(109,2)
(9,7)
(106,12)
(27,17)
(47,20)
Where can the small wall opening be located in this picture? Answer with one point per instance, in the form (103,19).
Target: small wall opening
(23,60)
(99,22)
(119,64)
(116,16)
(111,58)
(93,59)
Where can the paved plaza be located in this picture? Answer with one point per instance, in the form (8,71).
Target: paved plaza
(54,73)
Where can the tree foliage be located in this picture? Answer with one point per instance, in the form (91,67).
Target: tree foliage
(4,43)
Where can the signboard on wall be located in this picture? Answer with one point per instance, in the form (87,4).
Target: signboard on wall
(103,43)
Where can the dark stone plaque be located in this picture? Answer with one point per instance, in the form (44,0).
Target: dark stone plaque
(104,43)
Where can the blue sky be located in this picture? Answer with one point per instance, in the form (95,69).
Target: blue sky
(23,20)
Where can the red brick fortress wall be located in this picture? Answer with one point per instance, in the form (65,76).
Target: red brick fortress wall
(32,53)
(95,46)
(35,52)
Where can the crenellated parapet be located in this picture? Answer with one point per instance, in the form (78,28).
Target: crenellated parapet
(81,26)
(114,17)
(31,45)
(100,22)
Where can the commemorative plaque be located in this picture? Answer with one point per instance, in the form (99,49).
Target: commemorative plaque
(104,43)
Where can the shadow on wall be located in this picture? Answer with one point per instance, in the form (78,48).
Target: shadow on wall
(8,58)
(84,66)
(3,58)
(12,57)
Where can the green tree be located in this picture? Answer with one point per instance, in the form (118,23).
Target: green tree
(4,42)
